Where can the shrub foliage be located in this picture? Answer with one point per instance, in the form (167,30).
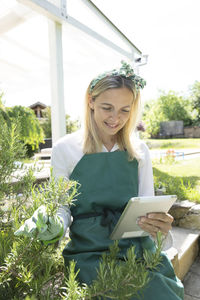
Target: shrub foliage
(31,270)
(71,126)
(30,132)
(168,107)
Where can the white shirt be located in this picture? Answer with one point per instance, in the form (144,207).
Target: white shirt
(68,151)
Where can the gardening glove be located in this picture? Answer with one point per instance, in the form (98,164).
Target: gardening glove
(64,214)
(43,227)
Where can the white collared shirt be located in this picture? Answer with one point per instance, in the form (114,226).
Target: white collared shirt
(68,151)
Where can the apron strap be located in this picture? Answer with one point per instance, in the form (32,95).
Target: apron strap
(86,216)
(109,216)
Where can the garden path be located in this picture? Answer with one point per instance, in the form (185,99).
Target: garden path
(180,153)
(192,281)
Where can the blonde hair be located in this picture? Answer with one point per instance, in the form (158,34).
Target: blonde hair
(92,141)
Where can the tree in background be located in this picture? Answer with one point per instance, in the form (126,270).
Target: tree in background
(71,126)
(45,122)
(152,117)
(31,133)
(168,107)
(175,107)
(3,114)
(195,99)
(1,100)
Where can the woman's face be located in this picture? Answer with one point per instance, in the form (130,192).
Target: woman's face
(111,111)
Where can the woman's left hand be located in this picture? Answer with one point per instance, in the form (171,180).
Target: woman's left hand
(154,222)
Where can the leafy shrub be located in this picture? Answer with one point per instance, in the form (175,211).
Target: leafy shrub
(115,280)
(184,187)
(29,130)
(195,98)
(30,270)
(168,107)
(11,151)
(27,266)
(71,126)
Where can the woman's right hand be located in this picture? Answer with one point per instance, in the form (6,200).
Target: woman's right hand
(154,222)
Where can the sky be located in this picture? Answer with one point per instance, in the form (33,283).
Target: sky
(167,31)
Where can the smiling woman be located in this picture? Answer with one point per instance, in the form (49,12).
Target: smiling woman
(112,108)
(111,111)
(111,167)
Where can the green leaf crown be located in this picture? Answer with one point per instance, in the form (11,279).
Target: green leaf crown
(125,71)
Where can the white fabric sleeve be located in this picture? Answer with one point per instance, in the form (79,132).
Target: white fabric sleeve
(66,153)
(145,172)
(168,241)
(146,185)
(64,214)
(58,162)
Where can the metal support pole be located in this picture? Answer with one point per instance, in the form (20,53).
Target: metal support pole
(63,7)
(57,81)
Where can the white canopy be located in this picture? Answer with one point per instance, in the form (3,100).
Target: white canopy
(90,43)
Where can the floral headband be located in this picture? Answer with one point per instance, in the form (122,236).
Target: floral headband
(125,71)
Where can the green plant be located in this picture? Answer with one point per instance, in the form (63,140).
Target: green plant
(45,122)
(168,107)
(185,187)
(168,157)
(29,129)
(29,269)
(11,151)
(115,280)
(152,117)
(71,126)
(195,98)
(1,100)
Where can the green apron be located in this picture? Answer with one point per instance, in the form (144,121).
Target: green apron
(107,181)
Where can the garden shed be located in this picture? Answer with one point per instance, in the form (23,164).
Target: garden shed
(37,108)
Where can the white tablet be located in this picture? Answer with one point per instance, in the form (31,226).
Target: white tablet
(127,226)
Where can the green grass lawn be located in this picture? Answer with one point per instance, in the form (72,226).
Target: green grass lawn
(173,143)
(189,167)
(180,178)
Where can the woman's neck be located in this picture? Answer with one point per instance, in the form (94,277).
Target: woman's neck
(108,140)
(109,143)
(109,147)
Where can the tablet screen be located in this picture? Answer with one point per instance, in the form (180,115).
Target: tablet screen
(127,226)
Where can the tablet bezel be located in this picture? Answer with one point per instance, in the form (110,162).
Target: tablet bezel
(136,207)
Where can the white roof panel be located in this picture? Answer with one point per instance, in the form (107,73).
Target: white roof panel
(24,55)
